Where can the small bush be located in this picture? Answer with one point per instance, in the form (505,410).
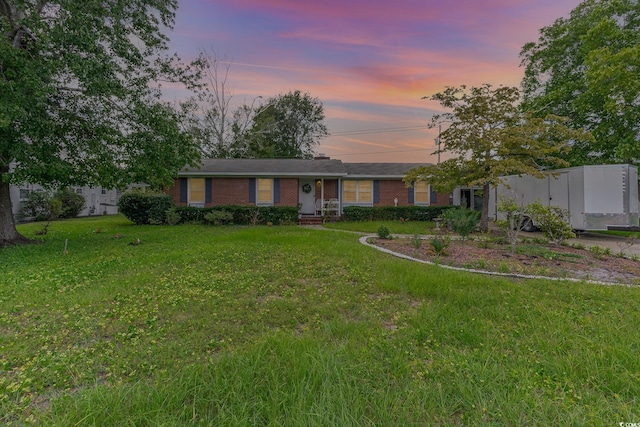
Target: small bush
(278,215)
(393,213)
(463,221)
(71,202)
(440,244)
(218,218)
(416,241)
(383,232)
(144,207)
(38,206)
(173,216)
(553,221)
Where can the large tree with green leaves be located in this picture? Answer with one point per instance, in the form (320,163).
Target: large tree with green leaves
(587,67)
(488,137)
(81,104)
(287,126)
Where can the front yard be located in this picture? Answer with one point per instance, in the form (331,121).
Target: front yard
(293,326)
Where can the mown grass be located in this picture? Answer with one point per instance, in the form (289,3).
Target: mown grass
(245,326)
(395,227)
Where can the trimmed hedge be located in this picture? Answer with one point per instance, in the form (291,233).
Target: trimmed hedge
(144,207)
(276,215)
(393,213)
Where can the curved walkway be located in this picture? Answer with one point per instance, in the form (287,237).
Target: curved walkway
(366,237)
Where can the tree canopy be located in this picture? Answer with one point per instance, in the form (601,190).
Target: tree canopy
(489,137)
(81,103)
(287,126)
(587,67)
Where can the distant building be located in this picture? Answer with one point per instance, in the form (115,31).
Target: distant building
(99,201)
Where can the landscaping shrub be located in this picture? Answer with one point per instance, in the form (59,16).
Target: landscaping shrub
(279,215)
(357,213)
(37,206)
(553,221)
(216,217)
(463,221)
(383,232)
(143,207)
(71,202)
(173,217)
(514,215)
(440,244)
(393,213)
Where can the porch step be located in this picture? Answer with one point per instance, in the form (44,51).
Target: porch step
(310,220)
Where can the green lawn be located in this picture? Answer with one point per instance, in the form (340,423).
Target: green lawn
(262,326)
(395,227)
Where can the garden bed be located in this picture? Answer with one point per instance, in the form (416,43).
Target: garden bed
(531,258)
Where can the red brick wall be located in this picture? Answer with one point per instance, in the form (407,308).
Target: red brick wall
(230,191)
(442,199)
(174,192)
(391,189)
(330,189)
(288,192)
(235,191)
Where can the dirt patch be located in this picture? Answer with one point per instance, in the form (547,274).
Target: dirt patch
(537,259)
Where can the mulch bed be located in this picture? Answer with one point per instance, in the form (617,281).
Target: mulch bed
(535,259)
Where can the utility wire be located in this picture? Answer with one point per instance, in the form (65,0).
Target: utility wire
(380,130)
(378,152)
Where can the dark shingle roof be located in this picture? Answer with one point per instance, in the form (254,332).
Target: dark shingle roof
(379,170)
(267,167)
(325,168)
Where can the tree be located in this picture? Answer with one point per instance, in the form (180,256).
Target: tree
(287,126)
(490,137)
(221,130)
(81,97)
(587,68)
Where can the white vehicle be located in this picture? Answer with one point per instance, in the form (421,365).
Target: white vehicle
(597,197)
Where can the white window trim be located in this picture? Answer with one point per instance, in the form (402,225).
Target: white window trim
(415,198)
(269,203)
(357,203)
(196,203)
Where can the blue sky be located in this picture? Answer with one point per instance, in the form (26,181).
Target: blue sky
(369,61)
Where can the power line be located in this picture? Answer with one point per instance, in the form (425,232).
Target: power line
(380,130)
(378,152)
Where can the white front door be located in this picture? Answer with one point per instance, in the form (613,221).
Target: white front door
(307,196)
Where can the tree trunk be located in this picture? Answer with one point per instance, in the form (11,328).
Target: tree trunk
(484,214)
(8,233)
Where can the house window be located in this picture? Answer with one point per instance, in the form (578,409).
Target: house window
(24,193)
(421,193)
(265,191)
(196,192)
(360,191)
(103,191)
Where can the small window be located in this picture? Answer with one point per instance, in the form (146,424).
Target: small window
(196,192)
(357,191)
(265,191)
(24,194)
(79,190)
(104,191)
(421,193)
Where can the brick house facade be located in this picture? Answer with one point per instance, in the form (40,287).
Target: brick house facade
(309,184)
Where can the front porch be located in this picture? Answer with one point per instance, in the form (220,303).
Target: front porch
(319,200)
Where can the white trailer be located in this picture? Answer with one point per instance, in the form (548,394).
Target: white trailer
(597,197)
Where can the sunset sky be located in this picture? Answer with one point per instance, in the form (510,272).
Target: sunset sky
(368,61)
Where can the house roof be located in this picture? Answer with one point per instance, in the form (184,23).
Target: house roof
(317,168)
(379,170)
(267,167)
